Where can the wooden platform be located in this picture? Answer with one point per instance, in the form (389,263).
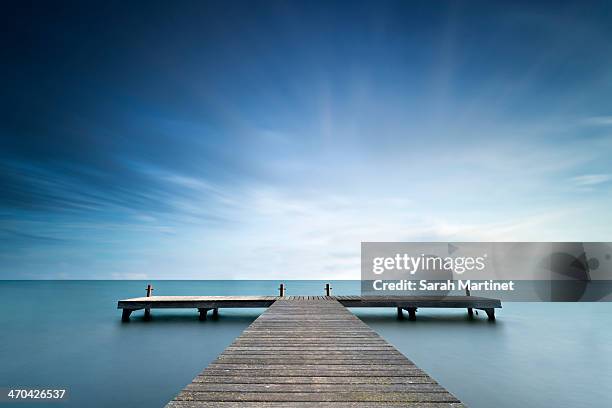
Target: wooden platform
(204,304)
(311,351)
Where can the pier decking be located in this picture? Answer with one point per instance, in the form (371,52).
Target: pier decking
(204,304)
(307,351)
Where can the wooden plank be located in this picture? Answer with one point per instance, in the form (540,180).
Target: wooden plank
(312,380)
(380,366)
(312,352)
(356,396)
(319,372)
(314,361)
(418,387)
(292,404)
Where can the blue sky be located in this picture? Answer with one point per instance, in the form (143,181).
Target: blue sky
(266,140)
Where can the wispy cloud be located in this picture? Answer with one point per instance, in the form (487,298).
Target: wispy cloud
(599,121)
(591,179)
(193,164)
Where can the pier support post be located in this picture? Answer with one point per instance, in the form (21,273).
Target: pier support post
(490,313)
(203,313)
(469,309)
(400,313)
(328,289)
(125,315)
(215,313)
(412,313)
(281,290)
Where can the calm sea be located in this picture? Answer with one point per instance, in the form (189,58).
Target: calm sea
(68,334)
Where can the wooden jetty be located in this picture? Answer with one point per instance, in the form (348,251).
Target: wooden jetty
(310,351)
(204,304)
(306,351)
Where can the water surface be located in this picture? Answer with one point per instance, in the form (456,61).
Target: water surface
(69,334)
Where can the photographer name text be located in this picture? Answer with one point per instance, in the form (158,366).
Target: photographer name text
(448,285)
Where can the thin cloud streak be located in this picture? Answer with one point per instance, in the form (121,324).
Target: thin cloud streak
(591,179)
(599,121)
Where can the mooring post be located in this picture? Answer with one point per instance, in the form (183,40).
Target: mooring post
(281,290)
(469,309)
(328,289)
(147,314)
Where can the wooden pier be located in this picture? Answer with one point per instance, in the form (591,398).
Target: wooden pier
(307,351)
(310,351)
(205,304)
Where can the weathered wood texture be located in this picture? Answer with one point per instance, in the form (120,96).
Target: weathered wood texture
(195,302)
(419,301)
(312,352)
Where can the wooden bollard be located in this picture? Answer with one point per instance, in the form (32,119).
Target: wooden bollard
(281,290)
(147,314)
(327,289)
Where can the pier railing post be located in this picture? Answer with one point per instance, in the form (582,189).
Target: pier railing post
(328,289)
(147,314)
(281,290)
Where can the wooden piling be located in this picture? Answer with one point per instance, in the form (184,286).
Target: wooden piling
(411,313)
(328,289)
(281,290)
(490,313)
(469,309)
(125,315)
